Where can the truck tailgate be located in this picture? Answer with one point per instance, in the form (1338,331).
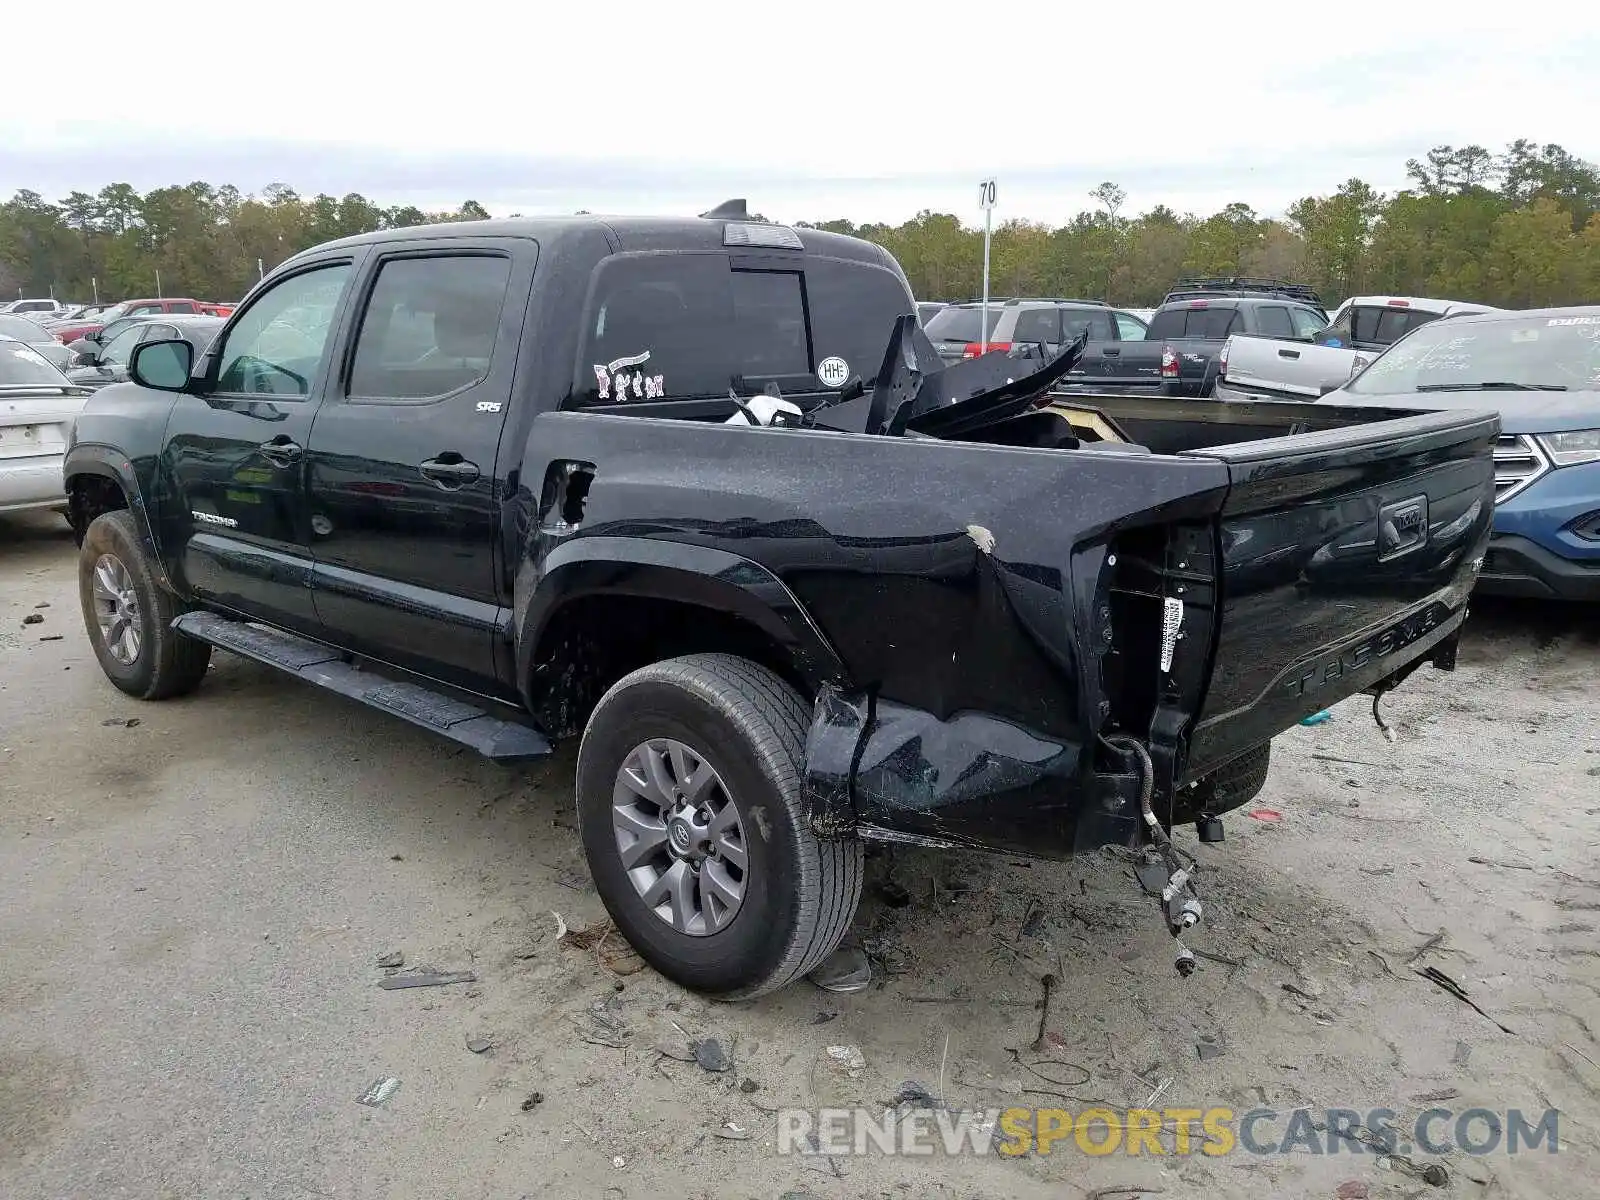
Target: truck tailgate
(1291,370)
(1134,365)
(1344,555)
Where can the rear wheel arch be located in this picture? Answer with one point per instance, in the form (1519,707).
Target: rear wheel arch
(593,620)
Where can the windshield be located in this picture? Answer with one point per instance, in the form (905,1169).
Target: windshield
(21,366)
(22,329)
(1510,353)
(111,314)
(961,324)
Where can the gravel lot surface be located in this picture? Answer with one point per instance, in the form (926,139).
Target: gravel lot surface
(193,906)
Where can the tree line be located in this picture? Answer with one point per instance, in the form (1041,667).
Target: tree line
(1520,229)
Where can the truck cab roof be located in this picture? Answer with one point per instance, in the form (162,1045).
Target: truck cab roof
(684,234)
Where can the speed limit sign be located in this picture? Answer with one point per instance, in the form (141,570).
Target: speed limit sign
(986,194)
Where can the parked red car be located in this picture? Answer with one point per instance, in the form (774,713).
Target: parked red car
(132,308)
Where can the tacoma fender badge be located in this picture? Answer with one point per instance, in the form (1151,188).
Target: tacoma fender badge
(206,518)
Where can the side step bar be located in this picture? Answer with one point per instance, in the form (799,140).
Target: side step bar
(503,741)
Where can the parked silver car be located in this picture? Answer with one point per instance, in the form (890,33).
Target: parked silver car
(38,406)
(45,343)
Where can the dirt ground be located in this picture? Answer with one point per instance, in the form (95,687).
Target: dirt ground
(192,909)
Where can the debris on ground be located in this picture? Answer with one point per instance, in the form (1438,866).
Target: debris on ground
(822,1018)
(912,1094)
(1270,815)
(677,1050)
(847,1060)
(480,1045)
(618,1161)
(394,958)
(1433,1174)
(124,722)
(1049,983)
(1353,1189)
(33,618)
(733,1133)
(379,1091)
(533,1101)
(1462,1053)
(588,937)
(426,977)
(1318,718)
(749,1086)
(52,637)
(711,1055)
(1208,1048)
(1444,983)
(887,953)
(1033,922)
(611,949)
(1435,1096)
(845,971)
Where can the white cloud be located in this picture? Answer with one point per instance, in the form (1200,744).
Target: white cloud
(871,111)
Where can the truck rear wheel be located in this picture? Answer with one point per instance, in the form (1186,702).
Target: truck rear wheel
(689,807)
(128,615)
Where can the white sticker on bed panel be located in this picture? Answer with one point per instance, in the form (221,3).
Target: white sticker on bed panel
(833,372)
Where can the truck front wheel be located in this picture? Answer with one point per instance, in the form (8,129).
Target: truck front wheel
(128,615)
(689,807)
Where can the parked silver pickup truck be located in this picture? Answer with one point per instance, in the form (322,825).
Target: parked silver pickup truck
(1303,368)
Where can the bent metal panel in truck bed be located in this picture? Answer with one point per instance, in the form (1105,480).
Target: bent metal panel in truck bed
(701,494)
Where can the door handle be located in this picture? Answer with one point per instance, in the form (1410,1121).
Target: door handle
(449,470)
(1288,354)
(1112,352)
(281,451)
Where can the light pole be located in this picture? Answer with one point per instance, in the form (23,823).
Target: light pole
(986,199)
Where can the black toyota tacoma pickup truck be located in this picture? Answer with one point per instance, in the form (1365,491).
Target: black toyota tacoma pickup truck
(700,493)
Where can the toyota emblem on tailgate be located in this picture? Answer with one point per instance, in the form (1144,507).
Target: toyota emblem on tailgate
(1402,527)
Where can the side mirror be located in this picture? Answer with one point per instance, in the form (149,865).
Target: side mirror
(88,352)
(163,365)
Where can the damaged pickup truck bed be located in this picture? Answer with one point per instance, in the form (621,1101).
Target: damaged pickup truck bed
(701,492)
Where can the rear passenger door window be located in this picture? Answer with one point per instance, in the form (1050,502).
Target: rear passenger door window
(429,328)
(1129,327)
(1272,320)
(1307,324)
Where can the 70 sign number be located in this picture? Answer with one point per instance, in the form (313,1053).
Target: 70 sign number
(986,193)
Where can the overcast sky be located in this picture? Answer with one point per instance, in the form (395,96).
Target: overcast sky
(812,110)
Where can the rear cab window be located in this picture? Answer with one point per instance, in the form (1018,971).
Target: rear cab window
(1192,321)
(1384,326)
(690,326)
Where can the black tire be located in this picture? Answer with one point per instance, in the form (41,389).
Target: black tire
(801,891)
(1233,784)
(166,663)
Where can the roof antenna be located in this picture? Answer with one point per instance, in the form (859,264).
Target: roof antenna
(728,210)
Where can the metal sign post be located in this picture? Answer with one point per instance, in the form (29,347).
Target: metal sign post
(986,197)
